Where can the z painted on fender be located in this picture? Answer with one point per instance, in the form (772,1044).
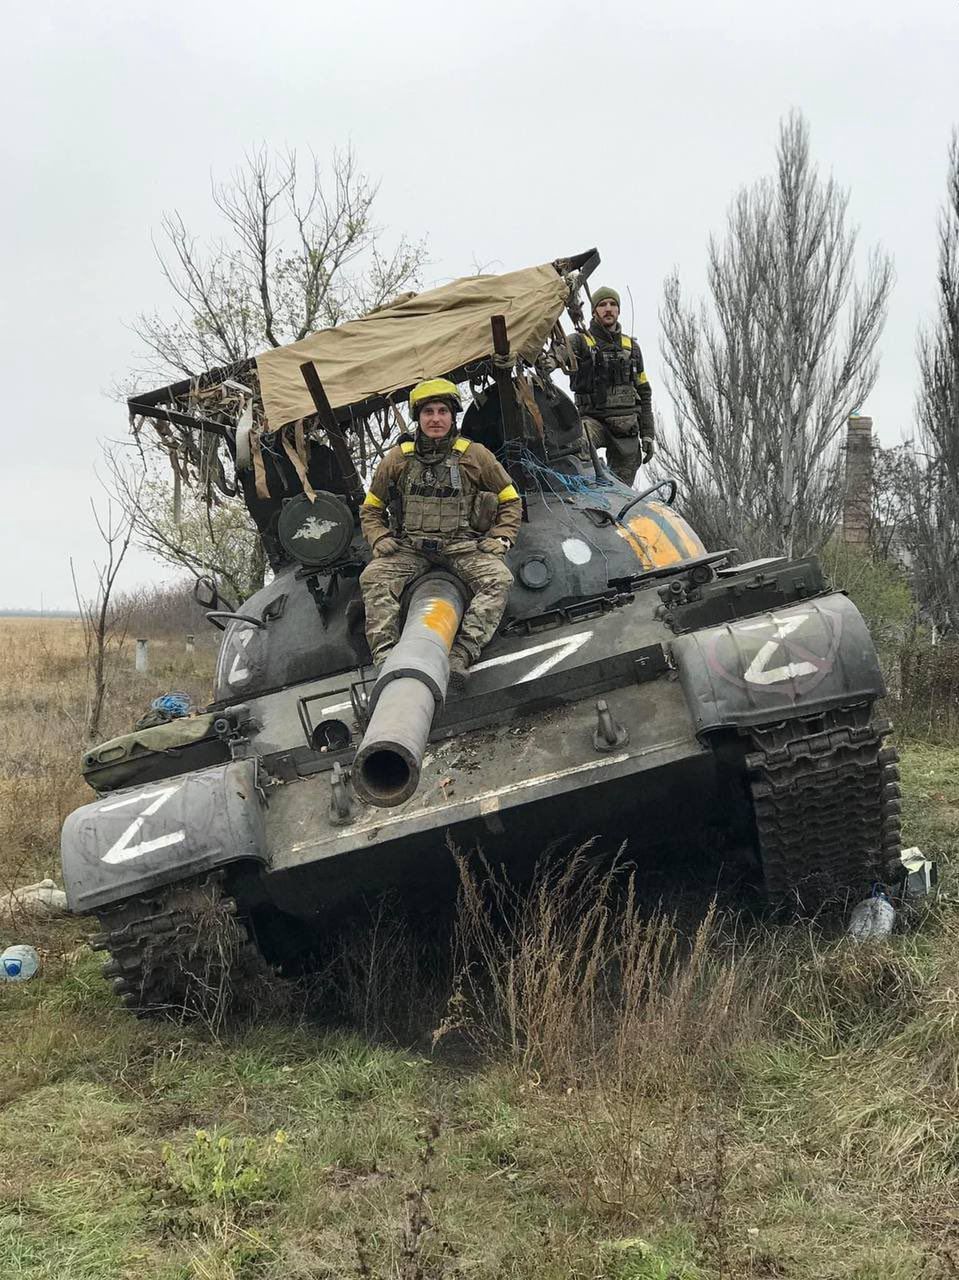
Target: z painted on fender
(793,661)
(154,835)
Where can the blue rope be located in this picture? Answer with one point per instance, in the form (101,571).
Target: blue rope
(177,704)
(586,486)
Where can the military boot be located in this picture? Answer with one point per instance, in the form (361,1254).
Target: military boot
(459,669)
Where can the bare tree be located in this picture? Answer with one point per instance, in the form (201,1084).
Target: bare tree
(762,381)
(103,627)
(299,250)
(935,479)
(194,528)
(891,527)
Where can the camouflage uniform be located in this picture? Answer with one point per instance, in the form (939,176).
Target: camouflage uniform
(613,395)
(432,493)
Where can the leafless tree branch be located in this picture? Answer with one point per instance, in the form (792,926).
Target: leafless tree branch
(762,379)
(103,626)
(935,473)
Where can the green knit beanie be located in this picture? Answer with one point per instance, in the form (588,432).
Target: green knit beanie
(603,295)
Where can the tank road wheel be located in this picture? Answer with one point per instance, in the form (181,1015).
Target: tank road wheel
(826,800)
(181,951)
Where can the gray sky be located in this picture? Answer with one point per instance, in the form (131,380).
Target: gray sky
(508,133)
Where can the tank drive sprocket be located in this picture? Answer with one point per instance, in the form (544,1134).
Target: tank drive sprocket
(181,950)
(826,799)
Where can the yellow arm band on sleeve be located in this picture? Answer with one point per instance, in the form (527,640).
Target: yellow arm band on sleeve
(371,500)
(642,378)
(507,494)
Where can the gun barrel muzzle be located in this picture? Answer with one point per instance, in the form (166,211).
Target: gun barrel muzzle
(411,685)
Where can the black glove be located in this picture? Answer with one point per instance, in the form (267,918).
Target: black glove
(649,447)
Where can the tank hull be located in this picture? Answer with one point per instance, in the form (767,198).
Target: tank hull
(513,766)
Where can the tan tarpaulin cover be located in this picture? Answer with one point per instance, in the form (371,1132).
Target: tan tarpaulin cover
(424,337)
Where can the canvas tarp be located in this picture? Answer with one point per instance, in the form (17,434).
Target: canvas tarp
(425,336)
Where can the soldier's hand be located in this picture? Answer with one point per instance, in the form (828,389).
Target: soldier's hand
(494,546)
(649,448)
(385,546)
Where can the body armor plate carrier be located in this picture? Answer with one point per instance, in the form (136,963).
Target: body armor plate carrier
(606,382)
(436,498)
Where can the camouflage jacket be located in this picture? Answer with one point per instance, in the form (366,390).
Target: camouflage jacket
(483,473)
(633,396)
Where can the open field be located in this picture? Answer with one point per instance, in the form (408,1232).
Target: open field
(768,1104)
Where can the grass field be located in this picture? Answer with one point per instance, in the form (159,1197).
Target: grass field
(760,1102)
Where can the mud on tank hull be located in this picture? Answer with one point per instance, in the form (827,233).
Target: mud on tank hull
(745,710)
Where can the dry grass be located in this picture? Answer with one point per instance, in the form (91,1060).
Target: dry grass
(43,698)
(611,1094)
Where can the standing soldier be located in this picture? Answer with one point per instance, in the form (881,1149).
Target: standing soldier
(612,391)
(438,499)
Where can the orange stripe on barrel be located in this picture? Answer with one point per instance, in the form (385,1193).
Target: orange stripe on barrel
(442,619)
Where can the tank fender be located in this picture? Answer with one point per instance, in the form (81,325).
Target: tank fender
(135,840)
(789,662)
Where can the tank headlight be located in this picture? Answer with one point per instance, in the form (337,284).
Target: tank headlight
(315,533)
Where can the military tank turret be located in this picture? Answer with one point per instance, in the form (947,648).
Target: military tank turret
(641,686)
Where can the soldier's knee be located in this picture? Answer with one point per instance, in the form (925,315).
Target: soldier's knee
(503,576)
(490,573)
(373,577)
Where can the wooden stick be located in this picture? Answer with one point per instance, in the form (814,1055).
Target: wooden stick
(333,429)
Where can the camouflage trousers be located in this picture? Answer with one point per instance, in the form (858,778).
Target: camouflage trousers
(622,450)
(383,582)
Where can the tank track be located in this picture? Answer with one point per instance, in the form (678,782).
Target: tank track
(827,804)
(181,951)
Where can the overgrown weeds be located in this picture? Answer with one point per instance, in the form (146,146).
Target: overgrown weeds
(627,1091)
(573,977)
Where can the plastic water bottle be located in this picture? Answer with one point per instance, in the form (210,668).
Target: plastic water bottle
(18,964)
(872,918)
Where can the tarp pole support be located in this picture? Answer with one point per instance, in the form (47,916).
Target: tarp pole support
(508,403)
(333,429)
(149,410)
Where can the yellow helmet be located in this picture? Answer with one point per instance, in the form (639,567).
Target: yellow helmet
(435,389)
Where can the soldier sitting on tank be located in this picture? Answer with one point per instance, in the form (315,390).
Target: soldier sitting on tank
(612,391)
(438,499)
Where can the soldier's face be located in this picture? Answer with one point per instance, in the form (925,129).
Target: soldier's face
(607,313)
(436,419)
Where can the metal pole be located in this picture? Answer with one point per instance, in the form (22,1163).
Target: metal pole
(141,661)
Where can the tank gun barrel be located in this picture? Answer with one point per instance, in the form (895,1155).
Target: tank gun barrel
(409,689)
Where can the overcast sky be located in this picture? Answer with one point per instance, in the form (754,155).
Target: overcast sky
(507,133)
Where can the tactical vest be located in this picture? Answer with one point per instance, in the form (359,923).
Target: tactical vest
(436,497)
(605,384)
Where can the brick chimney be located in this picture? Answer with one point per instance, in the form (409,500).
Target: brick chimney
(857,505)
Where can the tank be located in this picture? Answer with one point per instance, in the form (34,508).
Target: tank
(642,688)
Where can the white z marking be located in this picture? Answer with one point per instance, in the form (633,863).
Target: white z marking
(559,651)
(123,850)
(756,672)
(237,673)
